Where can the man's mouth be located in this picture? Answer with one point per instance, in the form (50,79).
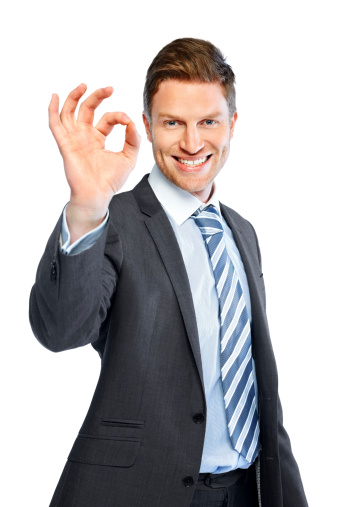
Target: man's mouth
(193,163)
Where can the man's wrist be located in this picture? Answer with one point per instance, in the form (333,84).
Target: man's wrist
(83,219)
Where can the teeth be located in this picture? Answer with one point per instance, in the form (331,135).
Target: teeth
(192,162)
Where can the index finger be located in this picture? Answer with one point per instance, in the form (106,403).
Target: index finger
(109,120)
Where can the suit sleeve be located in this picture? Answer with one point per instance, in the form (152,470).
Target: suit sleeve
(71,297)
(292,487)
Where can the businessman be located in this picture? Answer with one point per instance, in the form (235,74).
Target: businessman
(166,284)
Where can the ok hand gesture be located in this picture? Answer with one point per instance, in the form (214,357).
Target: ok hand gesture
(94,174)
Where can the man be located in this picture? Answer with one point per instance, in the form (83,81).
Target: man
(167,287)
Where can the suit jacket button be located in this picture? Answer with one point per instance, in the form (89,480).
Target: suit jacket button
(198,418)
(188,481)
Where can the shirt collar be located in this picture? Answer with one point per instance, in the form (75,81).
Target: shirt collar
(178,203)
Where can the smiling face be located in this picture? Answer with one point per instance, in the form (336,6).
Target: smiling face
(190,131)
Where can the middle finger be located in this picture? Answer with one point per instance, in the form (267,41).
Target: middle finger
(87,108)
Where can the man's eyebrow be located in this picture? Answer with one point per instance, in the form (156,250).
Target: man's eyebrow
(167,115)
(215,114)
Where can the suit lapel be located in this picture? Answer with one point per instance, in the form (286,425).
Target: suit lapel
(251,266)
(165,240)
(266,369)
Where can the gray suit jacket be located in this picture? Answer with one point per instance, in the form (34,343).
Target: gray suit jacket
(141,442)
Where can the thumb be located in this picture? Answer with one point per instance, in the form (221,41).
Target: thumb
(132,141)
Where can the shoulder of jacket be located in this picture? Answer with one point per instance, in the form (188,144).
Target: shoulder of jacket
(122,200)
(241,222)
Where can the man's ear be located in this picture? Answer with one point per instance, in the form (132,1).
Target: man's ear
(233,123)
(147,127)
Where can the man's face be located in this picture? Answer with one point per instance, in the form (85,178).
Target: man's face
(190,132)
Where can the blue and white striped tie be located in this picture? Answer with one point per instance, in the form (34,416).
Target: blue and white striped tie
(235,337)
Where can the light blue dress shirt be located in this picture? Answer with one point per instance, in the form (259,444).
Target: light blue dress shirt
(218,455)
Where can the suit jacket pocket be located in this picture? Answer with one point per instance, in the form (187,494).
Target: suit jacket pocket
(107,451)
(122,423)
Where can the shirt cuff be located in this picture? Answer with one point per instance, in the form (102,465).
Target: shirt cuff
(83,243)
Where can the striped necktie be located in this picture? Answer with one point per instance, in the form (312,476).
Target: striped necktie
(235,338)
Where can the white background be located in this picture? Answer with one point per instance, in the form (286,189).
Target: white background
(280,175)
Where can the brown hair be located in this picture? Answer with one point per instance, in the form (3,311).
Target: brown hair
(189,60)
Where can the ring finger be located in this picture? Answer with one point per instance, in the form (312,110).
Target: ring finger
(67,114)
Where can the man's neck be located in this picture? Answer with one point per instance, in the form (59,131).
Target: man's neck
(205,194)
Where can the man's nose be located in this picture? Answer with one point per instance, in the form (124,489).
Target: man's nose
(191,141)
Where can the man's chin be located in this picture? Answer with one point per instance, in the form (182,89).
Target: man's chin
(198,187)
(189,182)
(192,187)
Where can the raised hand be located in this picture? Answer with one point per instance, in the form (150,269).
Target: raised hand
(93,173)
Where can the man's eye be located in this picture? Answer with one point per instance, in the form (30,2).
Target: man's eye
(209,122)
(171,123)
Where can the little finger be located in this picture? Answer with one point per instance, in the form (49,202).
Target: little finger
(54,119)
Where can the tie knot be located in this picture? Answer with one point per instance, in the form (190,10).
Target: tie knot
(209,221)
